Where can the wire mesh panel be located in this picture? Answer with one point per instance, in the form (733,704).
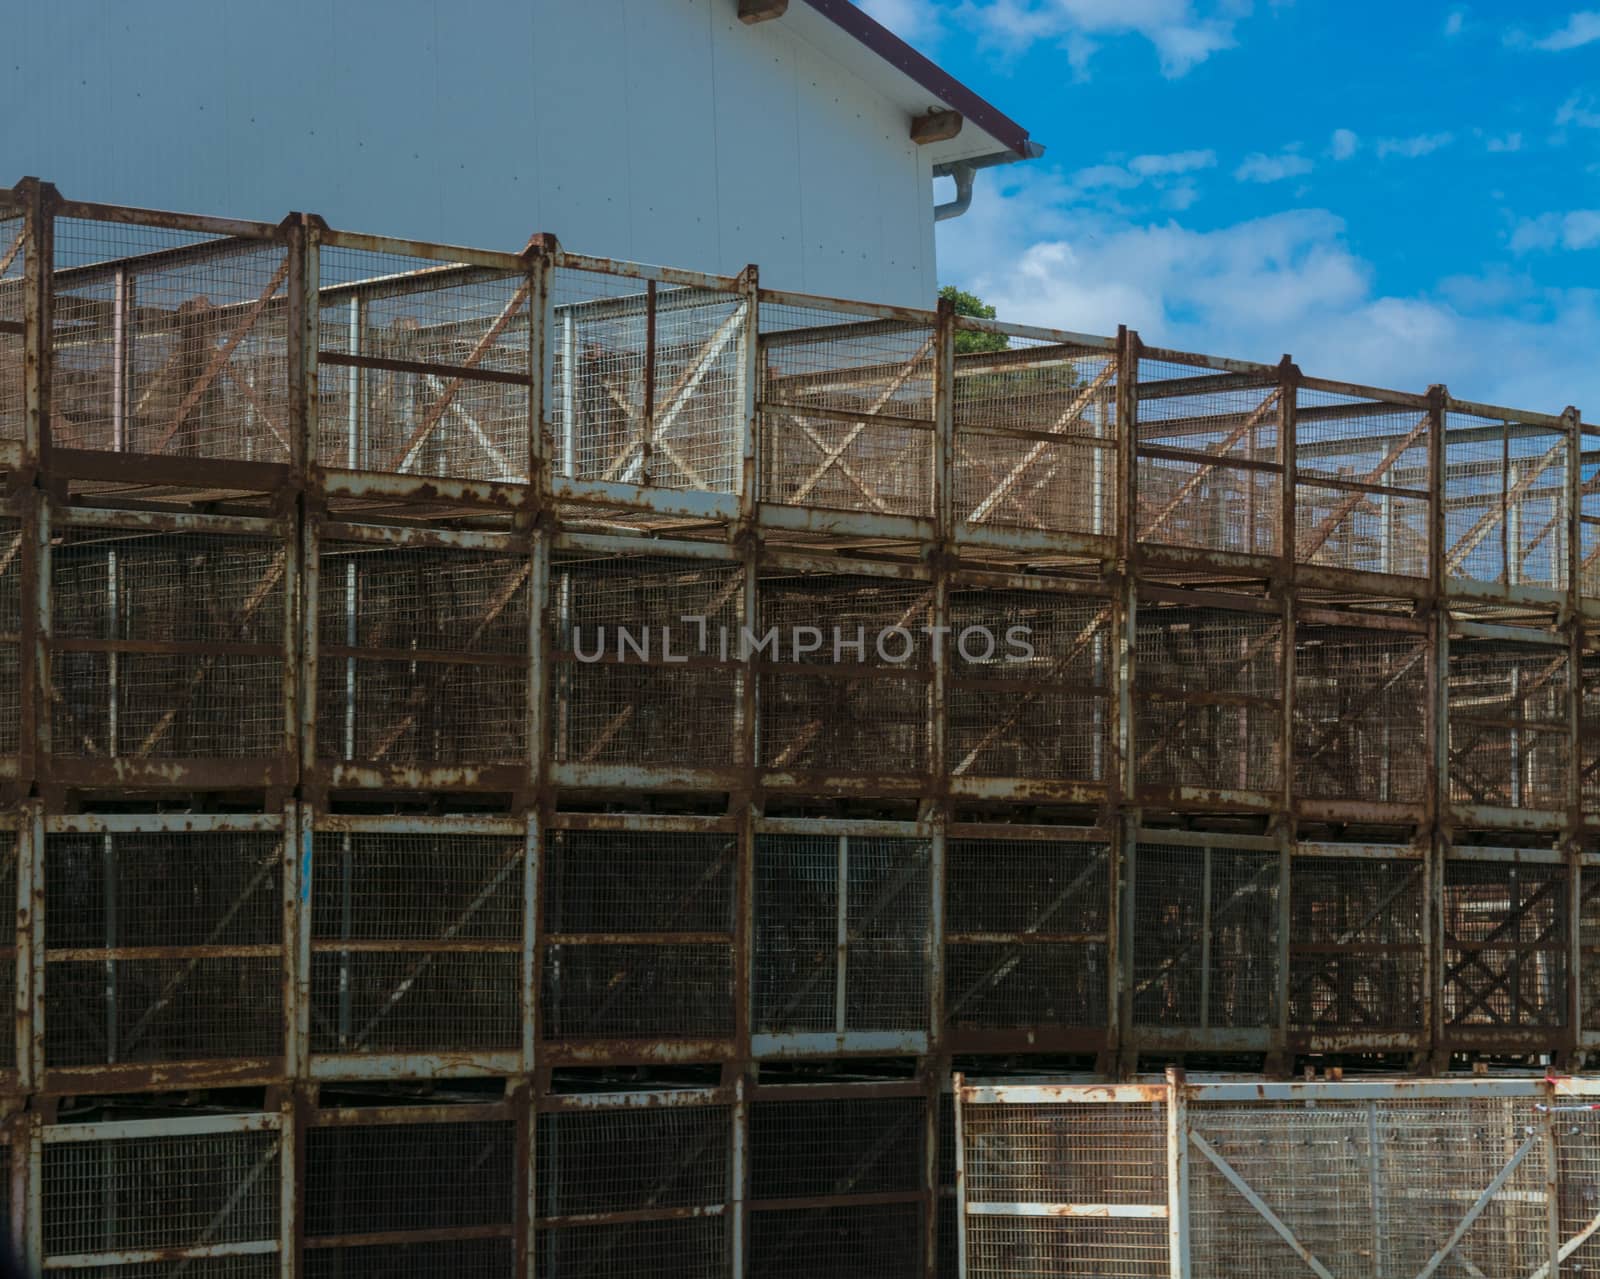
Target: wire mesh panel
(1510,723)
(167,341)
(387,1193)
(423,366)
(647,660)
(1506,501)
(423,653)
(416,938)
(649,381)
(1504,953)
(162,944)
(1210,473)
(14,251)
(1107,1159)
(1031,678)
(1035,434)
(810,1158)
(841,934)
(633,1190)
(1357,944)
(1362,481)
(844,667)
(1311,1166)
(167,644)
(1360,714)
(1208,698)
(1589,947)
(638,935)
(1587,551)
(179,1196)
(846,403)
(12,556)
(1026,933)
(1205,930)
(8,946)
(1589,722)
(1576,1129)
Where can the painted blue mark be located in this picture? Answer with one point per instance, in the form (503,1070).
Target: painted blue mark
(305,867)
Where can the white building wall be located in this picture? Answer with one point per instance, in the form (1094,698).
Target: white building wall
(656,130)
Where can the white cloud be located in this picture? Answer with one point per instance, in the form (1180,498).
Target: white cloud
(1455,22)
(1151,166)
(1257,288)
(1344,144)
(1573,231)
(1272,168)
(1181,32)
(1508,142)
(1582,28)
(1580,111)
(1411,148)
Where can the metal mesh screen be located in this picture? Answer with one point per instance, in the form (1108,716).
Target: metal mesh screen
(1031,674)
(1360,722)
(807,941)
(1589,727)
(825,1147)
(1589,946)
(638,934)
(858,698)
(423,655)
(1577,1142)
(8,961)
(459,1258)
(166,342)
(1510,728)
(416,941)
(1204,936)
(1506,502)
(162,947)
(403,1178)
(1208,699)
(167,644)
(867,1241)
(1361,483)
(647,661)
(649,382)
(1357,950)
(1026,933)
(846,411)
(423,367)
(178,1192)
(1099,1154)
(13,384)
(1209,472)
(1505,944)
(1035,434)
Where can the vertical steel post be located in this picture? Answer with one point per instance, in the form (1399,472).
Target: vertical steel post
(738,1176)
(1438,723)
(1177,1175)
(31,940)
(38,323)
(289,1183)
(1124,790)
(958,1084)
(296,921)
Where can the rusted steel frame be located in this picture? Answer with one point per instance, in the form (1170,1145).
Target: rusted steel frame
(28,994)
(1355,390)
(644,822)
(674,276)
(631,1217)
(222,354)
(1154,593)
(1469,541)
(1095,343)
(1318,537)
(198,224)
(632,1101)
(455,824)
(461,1112)
(440,1234)
(1098,834)
(1222,364)
(38,316)
(451,255)
(1208,460)
(421,367)
(137,523)
(844,306)
(378,946)
(1383,623)
(510,543)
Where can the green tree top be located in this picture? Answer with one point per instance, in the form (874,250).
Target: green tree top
(968,342)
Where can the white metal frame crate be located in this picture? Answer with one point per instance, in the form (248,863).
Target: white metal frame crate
(1395,1178)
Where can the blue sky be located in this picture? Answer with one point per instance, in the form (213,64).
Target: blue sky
(1398,193)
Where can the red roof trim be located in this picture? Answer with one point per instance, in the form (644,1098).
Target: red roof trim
(941,84)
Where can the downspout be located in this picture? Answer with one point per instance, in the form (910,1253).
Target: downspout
(964,171)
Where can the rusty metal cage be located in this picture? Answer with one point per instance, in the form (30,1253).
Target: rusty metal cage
(411,1189)
(164,949)
(637,953)
(417,945)
(635,1184)
(200,1194)
(14,253)
(424,364)
(839,1180)
(1027,919)
(170,650)
(423,655)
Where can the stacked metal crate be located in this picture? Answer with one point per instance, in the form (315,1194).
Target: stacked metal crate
(432,846)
